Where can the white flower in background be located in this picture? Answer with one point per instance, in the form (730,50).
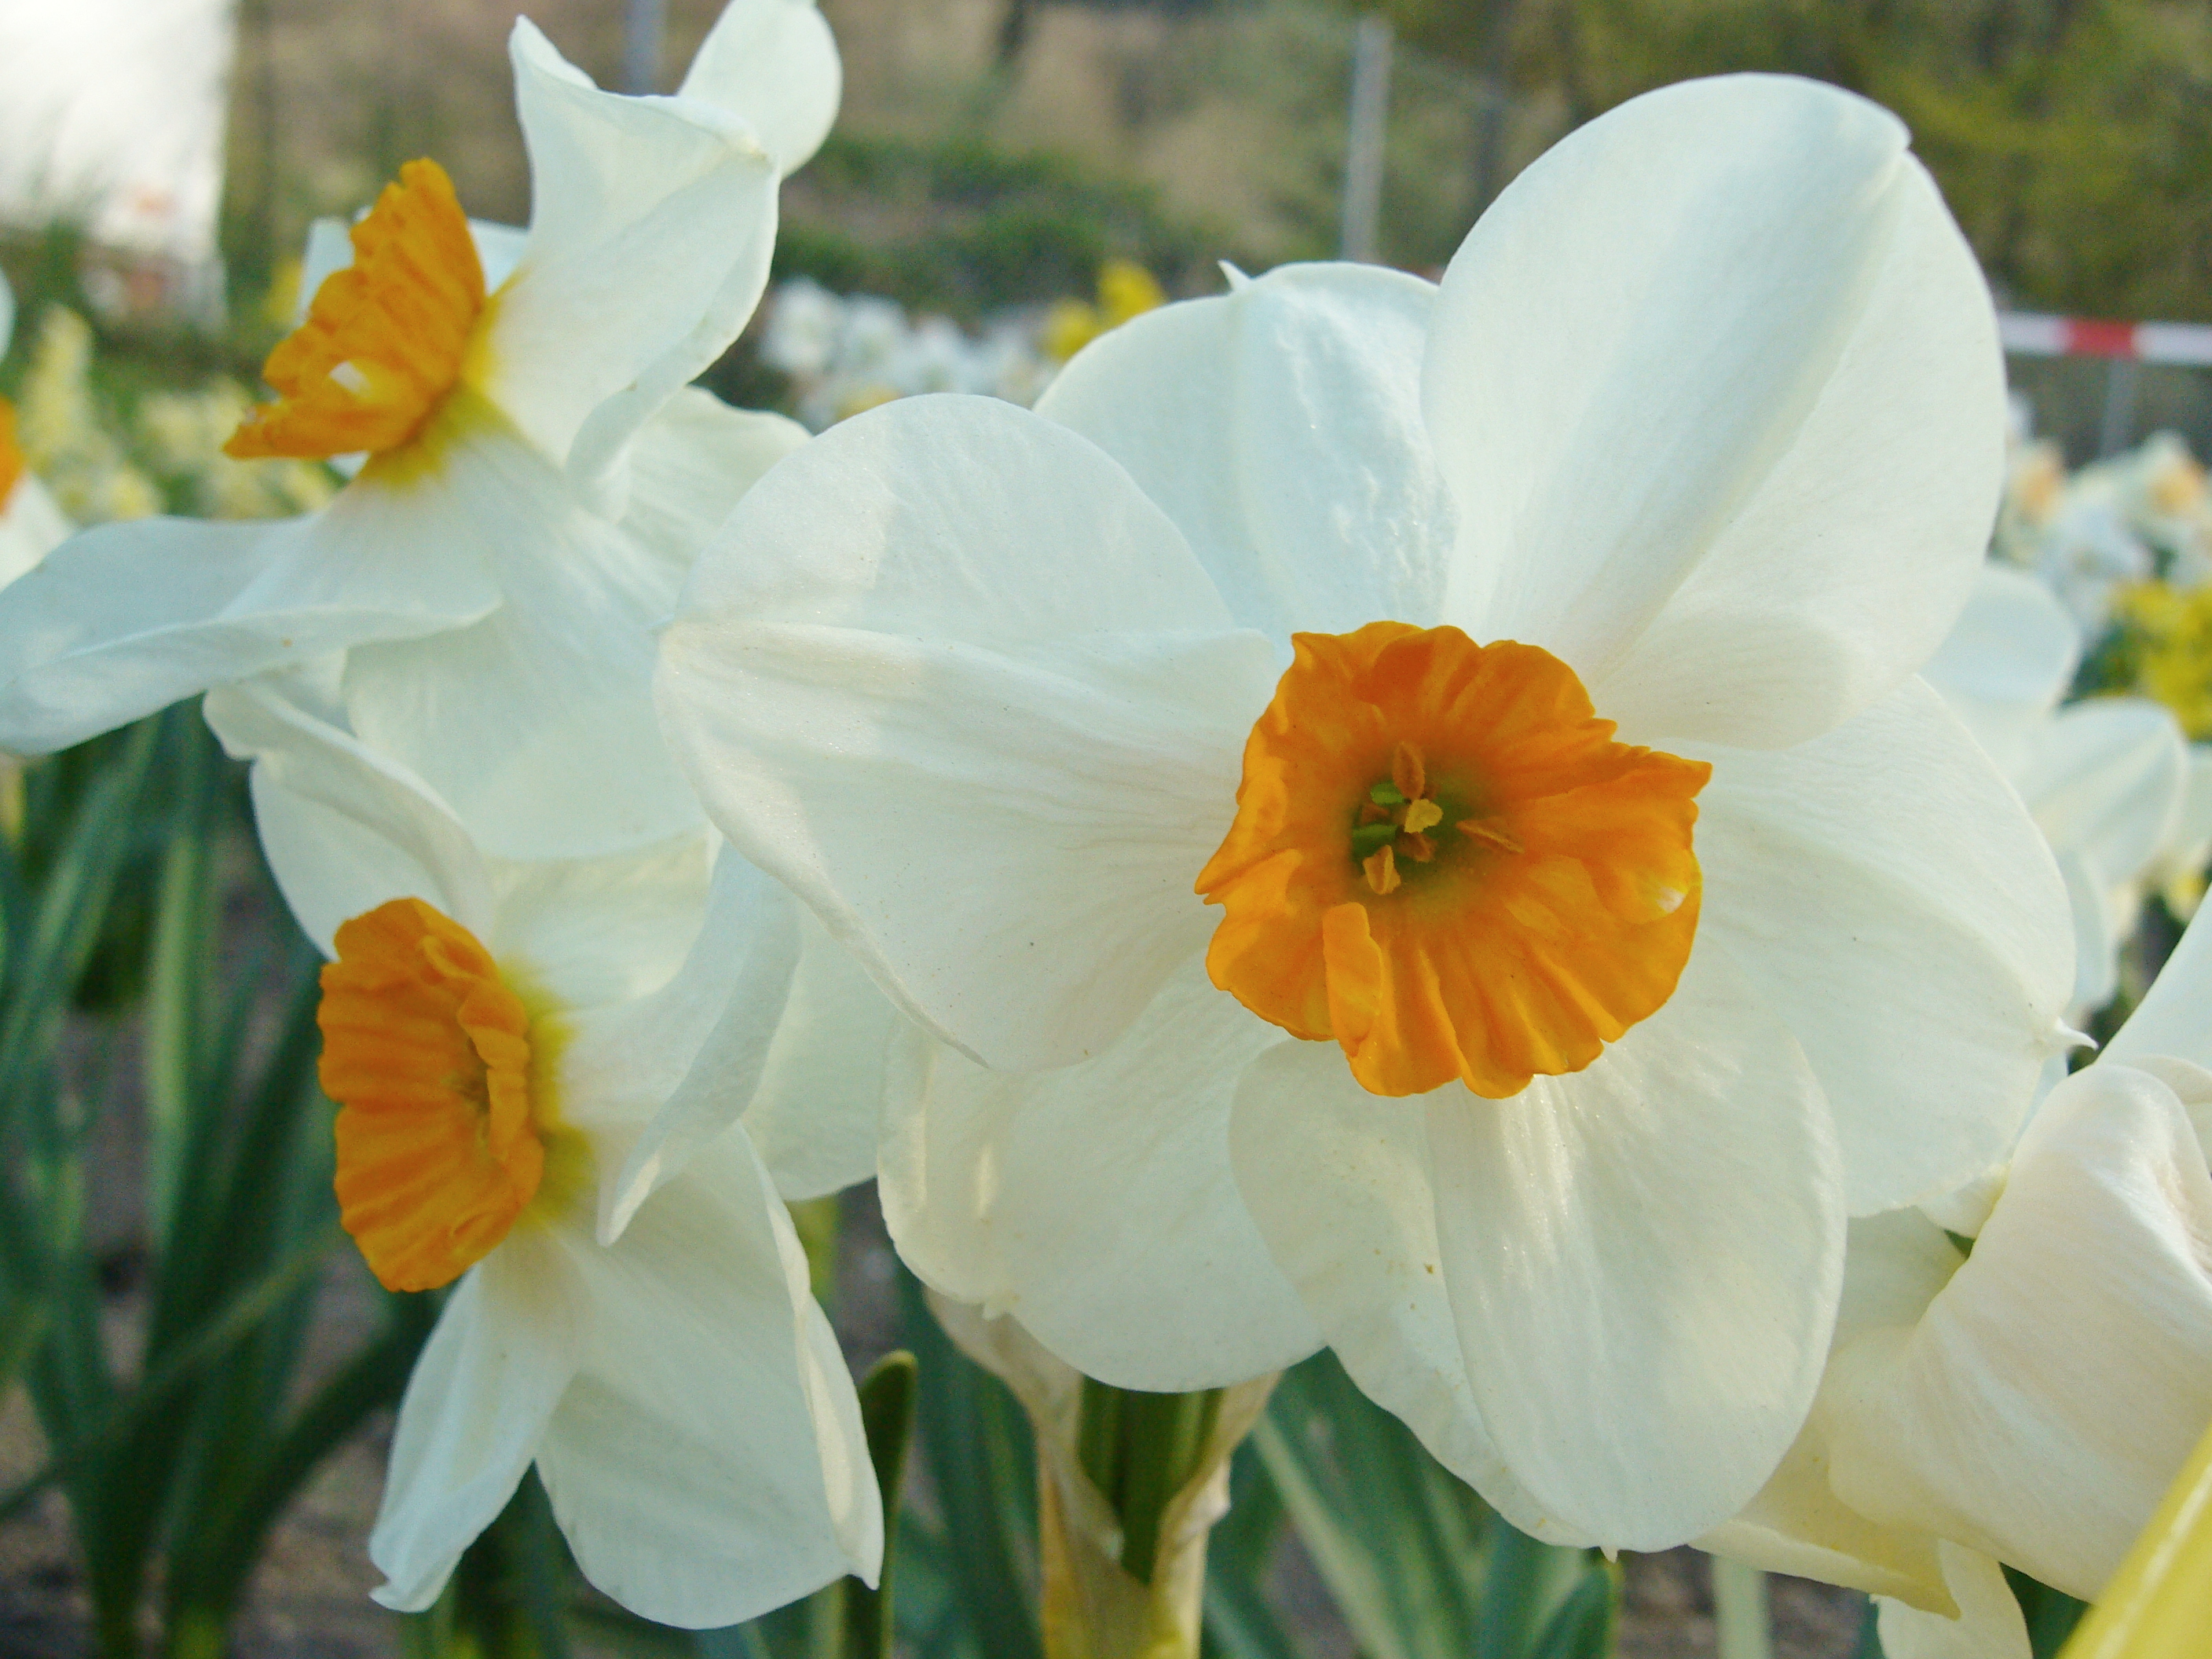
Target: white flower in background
(1703,429)
(2108,779)
(538,476)
(848,355)
(501,1036)
(30,524)
(2158,489)
(2030,1403)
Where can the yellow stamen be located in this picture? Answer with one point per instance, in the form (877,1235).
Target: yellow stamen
(1382,868)
(384,338)
(1559,915)
(427,1051)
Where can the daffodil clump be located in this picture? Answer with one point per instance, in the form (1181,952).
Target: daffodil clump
(1506,828)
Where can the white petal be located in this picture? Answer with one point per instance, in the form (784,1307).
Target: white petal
(1280,427)
(773,63)
(2040,1409)
(1716,386)
(1894,1265)
(343,827)
(1644,1259)
(2175,1016)
(603,930)
(2098,933)
(476,1409)
(536,723)
(1339,1182)
(693,1055)
(31,526)
(1990,1625)
(707,1464)
(1095,1202)
(2006,662)
(650,228)
(2107,778)
(126,618)
(1887,895)
(1002,798)
(687,467)
(815,1116)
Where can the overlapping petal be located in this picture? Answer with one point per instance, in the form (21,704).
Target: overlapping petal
(1716,386)
(1649,1250)
(2006,664)
(510,1338)
(651,222)
(774,64)
(991,763)
(2041,1407)
(1134,1261)
(536,723)
(345,829)
(1884,891)
(1338,1183)
(678,1460)
(1280,427)
(816,1115)
(127,618)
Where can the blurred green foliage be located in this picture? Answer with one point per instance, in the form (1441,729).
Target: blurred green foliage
(2073,138)
(960,226)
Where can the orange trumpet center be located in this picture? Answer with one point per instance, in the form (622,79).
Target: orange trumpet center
(1441,860)
(384,339)
(427,1051)
(11,459)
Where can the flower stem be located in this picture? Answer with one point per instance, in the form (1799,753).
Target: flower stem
(1140,1450)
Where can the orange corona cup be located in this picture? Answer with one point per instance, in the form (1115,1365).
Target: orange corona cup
(384,338)
(1441,860)
(427,1052)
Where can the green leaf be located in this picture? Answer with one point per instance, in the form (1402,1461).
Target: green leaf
(887,1412)
(982,1465)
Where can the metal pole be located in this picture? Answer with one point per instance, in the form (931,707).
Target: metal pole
(644,21)
(1366,134)
(2122,381)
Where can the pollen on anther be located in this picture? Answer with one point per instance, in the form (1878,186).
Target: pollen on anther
(1382,869)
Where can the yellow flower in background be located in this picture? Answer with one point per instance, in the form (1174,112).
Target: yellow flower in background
(1126,289)
(2172,633)
(62,436)
(181,435)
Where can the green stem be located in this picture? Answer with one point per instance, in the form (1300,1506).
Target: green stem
(1740,1619)
(1140,1450)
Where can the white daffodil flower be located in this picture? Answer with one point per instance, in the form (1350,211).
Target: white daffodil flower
(30,524)
(537,475)
(2108,780)
(2030,1403)
(501,1036)
(1703,429)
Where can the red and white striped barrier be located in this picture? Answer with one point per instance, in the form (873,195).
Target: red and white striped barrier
(2037,334)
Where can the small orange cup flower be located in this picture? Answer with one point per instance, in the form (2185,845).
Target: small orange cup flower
(427,1050)
(1441,860)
